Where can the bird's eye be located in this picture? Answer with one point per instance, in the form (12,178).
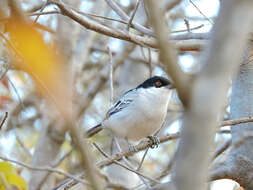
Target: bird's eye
(158,84)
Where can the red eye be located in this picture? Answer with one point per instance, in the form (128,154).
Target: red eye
(158,84)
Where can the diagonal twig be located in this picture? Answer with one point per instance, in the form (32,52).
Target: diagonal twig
(132,16)
(3,120)
(208,19)
(122,165)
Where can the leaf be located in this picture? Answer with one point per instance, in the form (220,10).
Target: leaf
(40,61)
(9,177)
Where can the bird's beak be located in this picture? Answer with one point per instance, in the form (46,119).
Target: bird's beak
(170,86)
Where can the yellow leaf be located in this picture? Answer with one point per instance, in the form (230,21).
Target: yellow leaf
(7,168)
(40,61)
(9,177)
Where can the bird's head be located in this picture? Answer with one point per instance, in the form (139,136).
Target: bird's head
(157,87)
(157,82)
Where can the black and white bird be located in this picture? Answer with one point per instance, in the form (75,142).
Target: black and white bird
(139,112)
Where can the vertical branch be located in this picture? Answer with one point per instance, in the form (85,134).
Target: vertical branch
(150,62)
(221,60)
(111,76)
(168,55)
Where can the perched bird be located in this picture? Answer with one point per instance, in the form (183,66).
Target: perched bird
(139,112)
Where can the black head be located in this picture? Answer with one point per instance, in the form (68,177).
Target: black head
(157,82)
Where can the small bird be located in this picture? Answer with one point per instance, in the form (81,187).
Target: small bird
(139,112)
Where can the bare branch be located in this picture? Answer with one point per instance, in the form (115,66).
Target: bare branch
(221,62)
(125,17)
(48,169)
(167,53)
(209,20)
(132,16)
(237,121)
(144,144)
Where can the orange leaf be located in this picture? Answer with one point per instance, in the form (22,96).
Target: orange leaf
(40,60)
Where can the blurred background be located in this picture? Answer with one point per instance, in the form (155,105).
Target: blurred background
(34,134)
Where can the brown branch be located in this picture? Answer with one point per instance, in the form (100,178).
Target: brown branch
(109,31)
(42,8)
(237,121)
(116,33)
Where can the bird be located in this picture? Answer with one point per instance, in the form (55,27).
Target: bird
(139,112)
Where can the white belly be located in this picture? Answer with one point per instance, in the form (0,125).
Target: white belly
(136,124)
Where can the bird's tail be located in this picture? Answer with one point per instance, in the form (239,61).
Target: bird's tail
(94,130)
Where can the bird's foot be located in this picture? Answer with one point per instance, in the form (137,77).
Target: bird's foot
(155,141)
(132,148)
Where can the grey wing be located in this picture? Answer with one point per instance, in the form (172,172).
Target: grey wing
(124,102)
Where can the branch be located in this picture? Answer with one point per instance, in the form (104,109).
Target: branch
(116,33)
(125,17)
(168,55)
(209,20)
(3,120)
(220,149)
(220,63)
(237,121)
(132,16)
(48,169)
(144,144)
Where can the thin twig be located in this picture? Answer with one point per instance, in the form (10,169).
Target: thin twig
(187,24)
(191,29)
(22,144)
(42,8)
(3,120)
(43,13)
(127,162)
(5,72)
(49,169)
(111,75)
(150,62)
(142,160)
(237,121)
(16,92)
(220,149)
(122,165)
(125,17)
(132,16)
(208,19)
(54,165)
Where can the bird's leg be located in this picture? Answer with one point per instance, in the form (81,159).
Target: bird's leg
(155,141)
(131,147)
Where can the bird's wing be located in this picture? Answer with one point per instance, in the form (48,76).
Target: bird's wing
(123,102)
